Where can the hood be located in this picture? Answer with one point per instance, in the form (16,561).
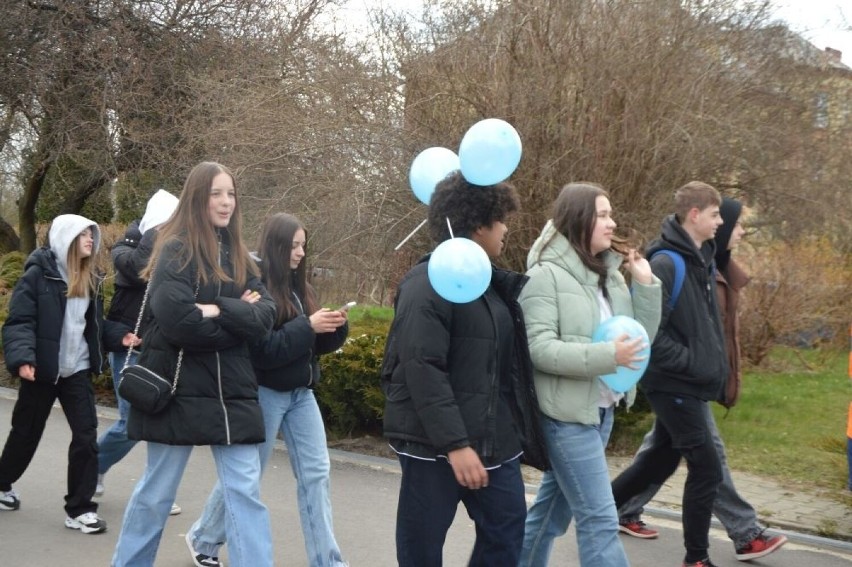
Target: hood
(552,246)
(159,209)
(63,231)
(730,211)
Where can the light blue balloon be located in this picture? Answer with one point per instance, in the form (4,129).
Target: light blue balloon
(459,270)
(624,378)
(428,168)
(489,152)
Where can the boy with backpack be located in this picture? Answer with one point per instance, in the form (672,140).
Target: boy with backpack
(687,369)
(734,512)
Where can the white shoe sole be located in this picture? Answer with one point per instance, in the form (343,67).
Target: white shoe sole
(73,524)
(175,510)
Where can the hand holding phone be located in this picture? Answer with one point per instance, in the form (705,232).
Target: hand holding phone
(348,306)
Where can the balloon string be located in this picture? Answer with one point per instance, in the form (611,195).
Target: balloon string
(450,227)
(410,234)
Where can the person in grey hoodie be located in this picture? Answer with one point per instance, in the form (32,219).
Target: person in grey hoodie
(55,360)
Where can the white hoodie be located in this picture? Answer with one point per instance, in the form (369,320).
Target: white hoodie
(159,209)
(73,350)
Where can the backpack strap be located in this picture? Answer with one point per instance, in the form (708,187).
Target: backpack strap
(679,274)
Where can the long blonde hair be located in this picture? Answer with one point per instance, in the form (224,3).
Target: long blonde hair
(82,280)
(191,225)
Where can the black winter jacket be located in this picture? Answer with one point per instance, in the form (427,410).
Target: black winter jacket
(32,330)
(288,357)
(129,256)
(216,398)
(439,374)
(688,355)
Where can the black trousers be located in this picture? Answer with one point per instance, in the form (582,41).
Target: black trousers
(429,495)
(680,431)
(35,400)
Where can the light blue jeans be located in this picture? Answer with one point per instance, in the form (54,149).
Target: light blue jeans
(246,517)
(577,486)
(737,515)
(114,444)
(296,415)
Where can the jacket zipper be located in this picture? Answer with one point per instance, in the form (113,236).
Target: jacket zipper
(311,351)
(64,307)
(218,362)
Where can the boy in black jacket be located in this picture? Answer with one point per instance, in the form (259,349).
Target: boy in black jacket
(687,369)
(460,406)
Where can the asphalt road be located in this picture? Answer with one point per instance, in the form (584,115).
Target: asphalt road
(364,493)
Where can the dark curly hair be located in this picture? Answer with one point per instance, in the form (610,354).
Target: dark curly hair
(468,206)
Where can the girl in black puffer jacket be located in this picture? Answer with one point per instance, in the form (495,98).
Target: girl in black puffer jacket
(286,364)
(206,299)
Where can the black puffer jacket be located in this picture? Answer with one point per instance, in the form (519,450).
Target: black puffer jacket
(129,256)
(688,355)
(288,357)
(32,330)
(216,398)
(439,374)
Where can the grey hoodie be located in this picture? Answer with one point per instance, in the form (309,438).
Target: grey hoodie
(73,349)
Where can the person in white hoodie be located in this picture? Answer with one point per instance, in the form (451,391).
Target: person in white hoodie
(55,360)
(129,257)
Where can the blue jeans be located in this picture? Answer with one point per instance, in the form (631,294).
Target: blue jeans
(114,444)
(737,515)
(577,486)
(296,414)
(429,496)
(246,517)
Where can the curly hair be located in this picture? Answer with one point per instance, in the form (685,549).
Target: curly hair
(468,206)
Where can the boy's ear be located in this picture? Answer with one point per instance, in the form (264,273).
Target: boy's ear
(693,213)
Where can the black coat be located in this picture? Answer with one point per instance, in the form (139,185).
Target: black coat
(129,256)
(688,355)
(33,327)
(288,357)
(439,374)
(216,398)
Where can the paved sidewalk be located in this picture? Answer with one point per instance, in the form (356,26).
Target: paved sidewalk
(807,515)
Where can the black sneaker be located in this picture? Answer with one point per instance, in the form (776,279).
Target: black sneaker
(88,523)
(9,500)
(200,559)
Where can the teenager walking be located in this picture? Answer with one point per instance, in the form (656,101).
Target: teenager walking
(286,362)
(52,342)
(207,300)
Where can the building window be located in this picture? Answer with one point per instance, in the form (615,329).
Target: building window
(821,110)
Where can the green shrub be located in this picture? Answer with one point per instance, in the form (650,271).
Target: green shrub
(350,394)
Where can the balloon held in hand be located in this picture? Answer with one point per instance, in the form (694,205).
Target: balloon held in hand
(624,377)
(459,270)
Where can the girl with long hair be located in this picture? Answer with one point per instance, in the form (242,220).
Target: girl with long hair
(205,301)
(52,341)
(287,371)
(574,285)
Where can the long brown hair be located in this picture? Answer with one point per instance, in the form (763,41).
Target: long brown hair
(82,280)
(574,216)
(275,247)
(191,225)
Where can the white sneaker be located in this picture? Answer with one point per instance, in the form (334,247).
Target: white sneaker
(88,523)
(175,510)
(99,487)
(9,500)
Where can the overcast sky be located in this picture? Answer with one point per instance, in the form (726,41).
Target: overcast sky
(826,23)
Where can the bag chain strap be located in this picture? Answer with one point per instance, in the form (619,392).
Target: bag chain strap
(139,324)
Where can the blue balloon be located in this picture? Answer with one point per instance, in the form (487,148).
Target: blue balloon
(489,152)
(624,378)
(428,168)
(459,270)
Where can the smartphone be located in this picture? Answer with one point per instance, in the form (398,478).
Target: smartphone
(348,306)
